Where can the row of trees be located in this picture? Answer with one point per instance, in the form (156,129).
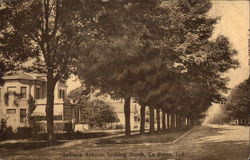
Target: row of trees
(238,105)
(159,53)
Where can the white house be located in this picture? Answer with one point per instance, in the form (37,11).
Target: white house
(16,92)
(135,115)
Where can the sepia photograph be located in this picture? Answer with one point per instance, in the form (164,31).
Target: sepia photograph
(124,80)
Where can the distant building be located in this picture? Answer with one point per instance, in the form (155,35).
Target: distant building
(135,115)
(16,92)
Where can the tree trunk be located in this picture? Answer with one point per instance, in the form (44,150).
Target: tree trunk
(177,121)
(192,121)
(240,122)
(189,122)
(168,121)
(158,119)
(142,126)
(152,124)
(172,120)
(163,120)
(182,122)
(246,120)
(127,116)
(50,108)
(186,121)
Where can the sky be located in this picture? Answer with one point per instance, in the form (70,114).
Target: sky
(234,24)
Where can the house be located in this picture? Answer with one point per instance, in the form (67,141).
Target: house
(135,115)
(18,91)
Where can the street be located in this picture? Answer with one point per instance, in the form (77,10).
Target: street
(212,142)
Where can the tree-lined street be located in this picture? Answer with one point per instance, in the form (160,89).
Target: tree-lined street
(214,142)
(165,56)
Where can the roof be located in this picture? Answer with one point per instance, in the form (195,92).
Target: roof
(24,76)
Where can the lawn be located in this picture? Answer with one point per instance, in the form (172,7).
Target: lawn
(157,137)
(12,146)
(16,147)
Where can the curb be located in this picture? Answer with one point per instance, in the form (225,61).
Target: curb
(173,142)
(118,135)
(168,143)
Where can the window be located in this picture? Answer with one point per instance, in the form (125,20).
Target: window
(24,92)
(38,93)
(61,93)
(22,115)
(82,115)
(76,114)
(11,111)
(136,118)
(11,89)
(66,113)
(58,117)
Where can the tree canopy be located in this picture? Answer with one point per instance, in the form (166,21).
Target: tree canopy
(157,52)
(160,53)
(47,34)
(96,113)
(238,104)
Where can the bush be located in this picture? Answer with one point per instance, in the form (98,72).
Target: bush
(59,126)
(24,132)
(6,133)
(42,126)
(120,126)
(68,127)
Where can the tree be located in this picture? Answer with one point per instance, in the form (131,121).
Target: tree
(238,104)
(120,57)
(144,46)
(202,62)
(106,64)
(96,112)
(50,31)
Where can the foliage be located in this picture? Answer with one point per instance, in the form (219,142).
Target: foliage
(79,95)
(17,97)
(32,104)
(6,133)
(96,112)
(24,132)
(238,104)
(32,120)
(46,34)
(6,99)
(160,53)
